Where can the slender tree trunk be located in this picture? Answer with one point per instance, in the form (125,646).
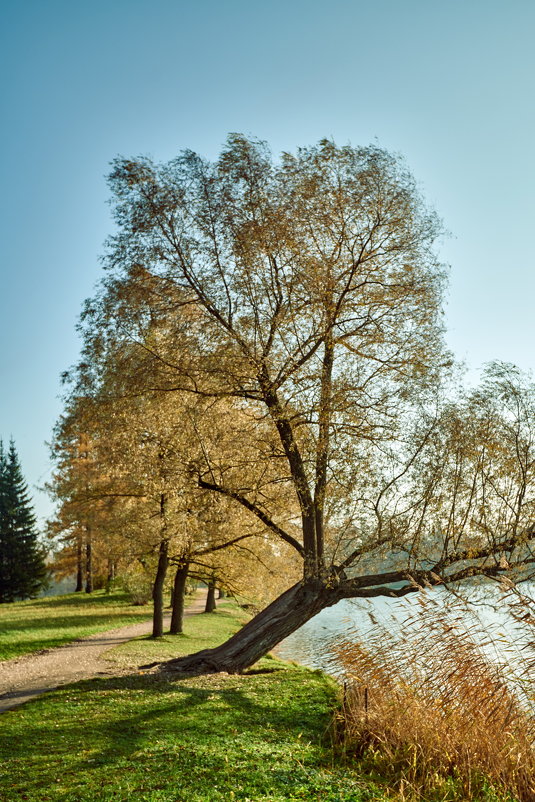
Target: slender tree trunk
(161,571)
(158,589)
(286,614)
(111,575)
(88,562)
(210,597)
(179,592)
(79,565)
(221,594)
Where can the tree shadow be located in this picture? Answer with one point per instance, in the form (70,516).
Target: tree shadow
(110,744)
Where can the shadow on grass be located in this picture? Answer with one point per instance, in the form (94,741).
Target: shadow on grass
(130,714)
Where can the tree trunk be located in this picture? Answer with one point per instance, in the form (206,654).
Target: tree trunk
(221,594)
(210,597)
(179,591)
(286,614)
(111,574)
(158,588)
(79,565)
(88,563)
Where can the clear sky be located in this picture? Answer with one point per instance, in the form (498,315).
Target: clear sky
(450,85)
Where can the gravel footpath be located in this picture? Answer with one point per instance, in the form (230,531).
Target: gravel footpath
(25,677)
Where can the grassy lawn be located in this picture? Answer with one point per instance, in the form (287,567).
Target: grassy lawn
(140,737)
(259,736)
(44,623)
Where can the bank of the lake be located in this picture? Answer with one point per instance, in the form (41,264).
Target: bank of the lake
(438,692)
(264,735)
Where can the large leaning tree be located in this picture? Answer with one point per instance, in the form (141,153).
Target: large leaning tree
(306,294)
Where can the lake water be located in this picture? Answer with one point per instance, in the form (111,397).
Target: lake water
(309,645)
(491,624)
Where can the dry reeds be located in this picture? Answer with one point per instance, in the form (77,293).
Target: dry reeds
(442,704)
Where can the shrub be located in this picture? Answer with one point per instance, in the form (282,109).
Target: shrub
(137,582)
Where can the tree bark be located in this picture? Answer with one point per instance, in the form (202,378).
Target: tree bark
(322,453)
(79,565)
(210,597)
(286,614)
(110,575)
(179,591)
(88,563)
(221,594)
(158,589)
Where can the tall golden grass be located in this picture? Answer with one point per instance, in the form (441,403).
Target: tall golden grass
(441,703)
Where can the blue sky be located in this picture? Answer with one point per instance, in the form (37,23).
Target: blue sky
(448,85)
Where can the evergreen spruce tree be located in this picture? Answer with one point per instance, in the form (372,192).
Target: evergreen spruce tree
(22,566)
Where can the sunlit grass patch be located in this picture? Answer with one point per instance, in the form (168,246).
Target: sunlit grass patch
(30,626)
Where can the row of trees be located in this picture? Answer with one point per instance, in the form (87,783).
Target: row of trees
(23,572)
(264,368)
(130,505)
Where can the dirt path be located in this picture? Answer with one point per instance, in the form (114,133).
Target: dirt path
(31,675)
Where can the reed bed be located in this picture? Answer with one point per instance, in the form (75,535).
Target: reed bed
(441,702)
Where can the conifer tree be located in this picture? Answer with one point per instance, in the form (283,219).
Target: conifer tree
(22,566)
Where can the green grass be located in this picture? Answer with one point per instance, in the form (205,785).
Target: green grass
(259,736)
(264,735)
(30,626)
(256,737)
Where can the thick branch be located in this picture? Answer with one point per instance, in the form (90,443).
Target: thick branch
(376,584)
(266,520)
(297,470)
(322,454)
(487,551)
